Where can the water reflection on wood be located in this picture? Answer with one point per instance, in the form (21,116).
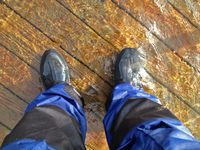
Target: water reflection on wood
(90,34)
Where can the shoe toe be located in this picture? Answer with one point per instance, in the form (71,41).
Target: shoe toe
(128,66)
(53,68)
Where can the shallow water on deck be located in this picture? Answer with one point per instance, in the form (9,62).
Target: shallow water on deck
(90,34)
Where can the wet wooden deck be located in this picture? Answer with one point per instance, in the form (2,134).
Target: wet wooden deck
(90,34)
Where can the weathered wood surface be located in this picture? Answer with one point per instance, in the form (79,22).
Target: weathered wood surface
(117,26)
(186,114)
(168,26)
(153,50)
(28,44)
(158,17)
(168,44)
(189,9)
(3,132)
(11,108)
(95,130)
(66,30)
(90,34)
(20,74)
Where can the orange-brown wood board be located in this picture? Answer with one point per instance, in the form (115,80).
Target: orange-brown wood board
(90,34)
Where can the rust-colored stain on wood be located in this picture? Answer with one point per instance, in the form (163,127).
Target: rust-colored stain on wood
(90,34)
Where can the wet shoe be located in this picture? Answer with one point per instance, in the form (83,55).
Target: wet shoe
(127,67)
(53,69)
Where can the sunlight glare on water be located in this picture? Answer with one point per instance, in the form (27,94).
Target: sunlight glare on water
(90,34)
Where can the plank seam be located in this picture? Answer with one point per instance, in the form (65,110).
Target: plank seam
(156,37)
(85,66)
(28,103)
(117,48)
(174,52)
(89,146)
(183,15)
(5,126)
(14,93)
(85,23)
(93,112)
(37,70)
(20,58)
(56,43)
(186,103)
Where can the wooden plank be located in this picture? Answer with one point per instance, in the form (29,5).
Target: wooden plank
(153,53)
(3,132)
(157,16)
(158,59)
(21,38)
(96,138)
(175,74)
(12,117)
(17,76)
(184,113)
(109,21)
(69,32)
(168,25)
(22,48)
(189,9)
(11,108)
(160,19)
(131,32)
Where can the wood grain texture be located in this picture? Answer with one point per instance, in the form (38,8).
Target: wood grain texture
(156,52)
(68,31)
(22,46)
(95,137)
(189,9)
(3,132)
(36,44)
(155,33)
(11,108)
(168,25)
(111,20)
(184,113)
(90,34)
(18,76)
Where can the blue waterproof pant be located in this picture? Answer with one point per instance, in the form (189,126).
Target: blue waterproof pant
(135,120)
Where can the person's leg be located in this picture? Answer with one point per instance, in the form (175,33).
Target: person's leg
(137,120)
(55,119)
